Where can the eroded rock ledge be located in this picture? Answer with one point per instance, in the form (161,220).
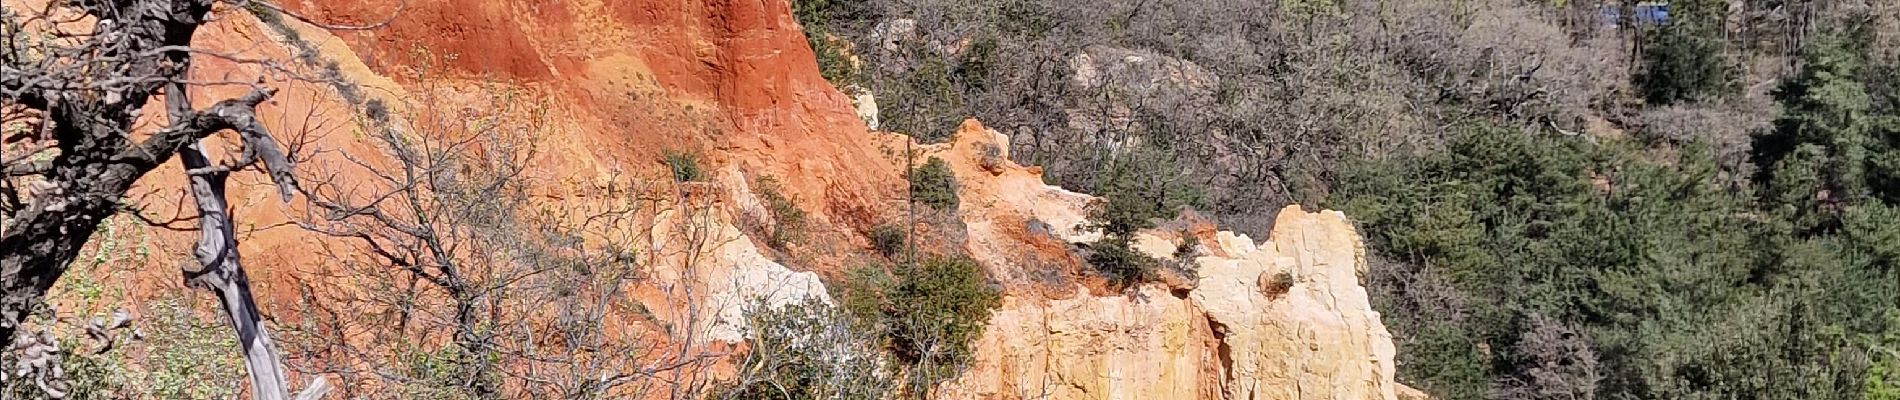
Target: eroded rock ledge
(1285,318)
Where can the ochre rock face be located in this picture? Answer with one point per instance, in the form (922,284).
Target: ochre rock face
(1319,338)
(620,82)
(1148,345)
(1282,319)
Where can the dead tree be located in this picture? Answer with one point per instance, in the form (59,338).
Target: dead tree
(513,291)
(430,223)
(77,75)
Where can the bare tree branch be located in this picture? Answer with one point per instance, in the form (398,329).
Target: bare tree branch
(400,6)
(88,69)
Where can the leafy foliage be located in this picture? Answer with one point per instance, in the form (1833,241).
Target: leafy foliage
(1136,192)
(439,374)
(1683,59)
(685,165)
(1682,289)
(788,221)
(1830,145)
(1139,190)
(1116,259)
(888,239)
(180,356)
(930,312)
(1883,375)
(834,59)
(934,185)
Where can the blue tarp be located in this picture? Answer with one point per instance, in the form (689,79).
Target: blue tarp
(1645,13)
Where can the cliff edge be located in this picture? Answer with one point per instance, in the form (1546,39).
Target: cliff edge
(1285,318)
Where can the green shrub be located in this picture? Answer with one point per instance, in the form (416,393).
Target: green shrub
(1662,266)
(934,185)
(888,239)
(930,312)
(1680,67)
(180,356)
(1883,373)
(789,220)
(1135,192)
(438,375)
(975,67)
(1140,189)
(818,17)
(685,165)
(834,63)
(1684,59)
(926,100)
(1121,263)
(865,288)
(1189,246)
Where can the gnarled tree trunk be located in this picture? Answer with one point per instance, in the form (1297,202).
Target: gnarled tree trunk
(88,86)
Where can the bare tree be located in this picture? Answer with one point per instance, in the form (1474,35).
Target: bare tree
(449,237)
(810,350)
(1560,364)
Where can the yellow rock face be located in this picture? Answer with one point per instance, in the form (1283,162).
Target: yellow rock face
(1318,340)
(1154,346)
(1280,319)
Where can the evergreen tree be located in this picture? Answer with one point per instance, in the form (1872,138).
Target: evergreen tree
(1684,58)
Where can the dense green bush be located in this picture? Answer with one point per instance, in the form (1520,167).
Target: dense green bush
(1883,375)
(888,239)
(1140,189)
(1833,136)
(816,16)
(1135,194)
(1116,259)
(934,185)
(930,312)
(1680,67)
(1684,59)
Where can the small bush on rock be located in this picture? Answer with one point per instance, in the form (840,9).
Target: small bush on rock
(934,185)
(888,239)
(788,220)
(685,166)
